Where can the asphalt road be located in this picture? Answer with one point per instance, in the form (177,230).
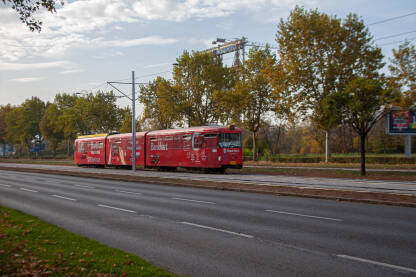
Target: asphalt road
(408,187)
(200,232)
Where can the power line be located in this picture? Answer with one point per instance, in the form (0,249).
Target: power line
(392,18)
(153,74)
(399,41)
(396,35)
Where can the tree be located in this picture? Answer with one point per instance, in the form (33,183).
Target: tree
(4,111)
(103,114)
(403,72)
(320,55)
(364,102)
(198,76)
(126,123)
(254,91)
(50,128)
(27,8)
(23,122)
(163,104)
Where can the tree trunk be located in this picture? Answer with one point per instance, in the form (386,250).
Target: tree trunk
(362,137)
(327,147)
(254,147)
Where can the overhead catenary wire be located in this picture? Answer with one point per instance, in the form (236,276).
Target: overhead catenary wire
(391,19)
(396,35)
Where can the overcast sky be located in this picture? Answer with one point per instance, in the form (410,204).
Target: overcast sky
(87,43)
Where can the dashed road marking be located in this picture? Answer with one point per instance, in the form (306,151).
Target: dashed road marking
(115,208)
(84,186)
(30,190)
(216,229)
(191,200)
(305,215)
(129,192)
(63,197)
(376,263)
(3,185)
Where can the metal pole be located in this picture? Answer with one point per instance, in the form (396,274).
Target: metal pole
(408,146)
(189,109)
(133,127)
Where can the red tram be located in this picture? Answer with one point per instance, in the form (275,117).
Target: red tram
(209,147)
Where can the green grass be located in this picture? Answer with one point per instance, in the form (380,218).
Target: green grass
(31,247)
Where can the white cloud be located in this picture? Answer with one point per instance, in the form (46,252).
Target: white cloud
(33,66)
(71,71)
(157,65)
(77,23)
(26,80)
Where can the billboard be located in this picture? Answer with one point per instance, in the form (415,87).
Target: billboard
(401,123)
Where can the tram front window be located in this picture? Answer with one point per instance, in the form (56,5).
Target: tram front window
(229,140)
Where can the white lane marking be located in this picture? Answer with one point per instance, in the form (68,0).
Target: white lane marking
(3,185)
(376,263)
(130,192)
(63,197)
(191,200)
(28,190)
(304,215)
(115,208)
(216,229)
(84,186)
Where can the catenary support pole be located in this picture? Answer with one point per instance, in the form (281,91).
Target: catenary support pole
(133,122)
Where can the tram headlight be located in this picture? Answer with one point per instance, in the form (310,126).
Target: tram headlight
(219,158)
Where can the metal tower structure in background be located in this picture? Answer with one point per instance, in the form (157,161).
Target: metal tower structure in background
(225,46)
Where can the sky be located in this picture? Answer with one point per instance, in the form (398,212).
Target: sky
(87,43)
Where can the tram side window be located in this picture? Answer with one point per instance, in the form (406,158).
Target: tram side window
(82,147)
(198,141)
(210,140)
(186,139)
(230,140)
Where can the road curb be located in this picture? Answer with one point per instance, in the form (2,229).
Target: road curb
(319,193)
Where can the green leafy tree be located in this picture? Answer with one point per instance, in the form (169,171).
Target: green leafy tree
(364,102)
(197,77)
(126,123)
(103,114)
(4,111)
(254,92)
(50,128)
(403,73)
(27,8)
(23,122)
(320,55)
(163,104)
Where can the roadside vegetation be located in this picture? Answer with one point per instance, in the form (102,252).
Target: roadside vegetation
(32,247)
(325,90)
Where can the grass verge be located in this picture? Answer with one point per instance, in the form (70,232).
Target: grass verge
(32,247)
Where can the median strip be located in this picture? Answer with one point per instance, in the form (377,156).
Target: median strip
(376,263)
(216,229)
(115,208)
(304,215)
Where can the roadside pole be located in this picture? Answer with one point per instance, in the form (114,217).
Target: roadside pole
(133,120)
